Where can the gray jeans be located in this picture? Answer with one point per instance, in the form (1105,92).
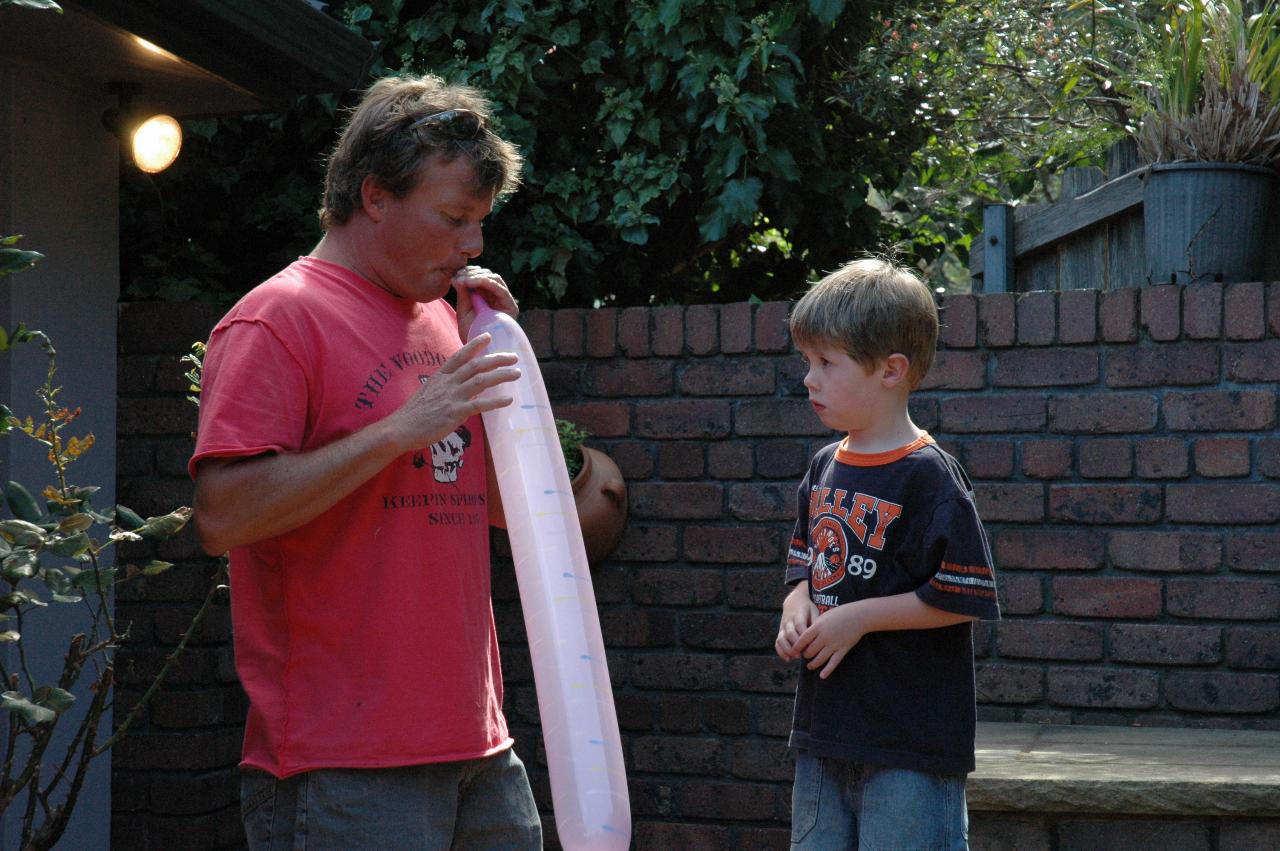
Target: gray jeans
(479,803)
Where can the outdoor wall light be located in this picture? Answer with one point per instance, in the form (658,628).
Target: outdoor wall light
(156,143)
(151,143)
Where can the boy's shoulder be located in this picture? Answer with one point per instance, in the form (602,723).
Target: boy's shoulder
(931,465)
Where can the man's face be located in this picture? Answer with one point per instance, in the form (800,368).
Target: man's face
(425,237)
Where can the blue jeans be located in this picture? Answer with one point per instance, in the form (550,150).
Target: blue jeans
(478,803)
(837,804)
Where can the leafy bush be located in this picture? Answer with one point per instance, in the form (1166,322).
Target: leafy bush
(55,551)
(679,151)
(1013,92)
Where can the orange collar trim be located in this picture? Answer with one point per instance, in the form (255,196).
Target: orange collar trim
(878,459)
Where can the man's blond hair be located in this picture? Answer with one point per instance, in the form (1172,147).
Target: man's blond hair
(871,308)
(379,139)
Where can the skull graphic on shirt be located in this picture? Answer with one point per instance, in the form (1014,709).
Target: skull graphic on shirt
(446,456)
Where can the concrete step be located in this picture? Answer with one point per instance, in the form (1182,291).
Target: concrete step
(1152,770)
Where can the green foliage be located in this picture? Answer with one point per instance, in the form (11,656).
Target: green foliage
(1013,92)
(15,259)
(54,551)
(571,440)
(195,375)
(678,151)
(55,554)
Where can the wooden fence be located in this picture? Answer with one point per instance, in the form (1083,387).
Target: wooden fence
(1091,238)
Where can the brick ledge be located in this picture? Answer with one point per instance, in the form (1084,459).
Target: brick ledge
(1131,770)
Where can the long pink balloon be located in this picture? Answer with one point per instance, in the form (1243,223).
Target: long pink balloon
(575,701)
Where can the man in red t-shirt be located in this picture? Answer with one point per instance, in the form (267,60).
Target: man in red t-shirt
(341,460)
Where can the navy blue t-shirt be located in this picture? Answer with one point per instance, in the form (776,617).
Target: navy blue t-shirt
(875,526)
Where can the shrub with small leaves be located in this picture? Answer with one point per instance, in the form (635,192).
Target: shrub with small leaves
(55,551)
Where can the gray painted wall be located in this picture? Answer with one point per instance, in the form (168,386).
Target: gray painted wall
(59,175)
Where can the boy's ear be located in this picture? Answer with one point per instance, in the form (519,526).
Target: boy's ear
(895,370)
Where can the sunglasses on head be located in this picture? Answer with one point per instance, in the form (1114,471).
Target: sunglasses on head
(452,123)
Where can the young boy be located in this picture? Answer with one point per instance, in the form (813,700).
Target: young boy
(890,565)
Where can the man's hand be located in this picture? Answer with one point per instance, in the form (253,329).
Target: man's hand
(492,288)
(826,642)
(451,395)
(798,613)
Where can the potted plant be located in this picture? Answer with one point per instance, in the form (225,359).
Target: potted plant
(598,490)
(1211,132)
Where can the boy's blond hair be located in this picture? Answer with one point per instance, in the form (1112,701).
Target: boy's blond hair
(871,308)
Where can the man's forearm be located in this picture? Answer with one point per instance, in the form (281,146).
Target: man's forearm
(241,501)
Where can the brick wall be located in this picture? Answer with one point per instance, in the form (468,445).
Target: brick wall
(1122,445)
(174,781)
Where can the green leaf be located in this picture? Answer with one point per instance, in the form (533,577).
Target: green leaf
(16,702)
(417,29)
(87,579)
(155,567)
(826,11)
(636,235)
(52,697)
(75,523)
(19,565)
(567,34)
(165,526)
(22,533)
(17,598)
(741,198)
(733,156)
(779,161)
(70,546)
(126,519)
(56,579)
(16,260)
(669,13)
(21,504)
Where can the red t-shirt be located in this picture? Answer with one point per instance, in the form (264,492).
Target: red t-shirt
(364,638)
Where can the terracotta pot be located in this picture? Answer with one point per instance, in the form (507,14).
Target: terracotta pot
(601,497)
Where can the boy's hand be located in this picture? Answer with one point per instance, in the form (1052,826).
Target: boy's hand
(798,614)
(826,642)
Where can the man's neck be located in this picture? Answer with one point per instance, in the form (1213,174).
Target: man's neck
(341,246)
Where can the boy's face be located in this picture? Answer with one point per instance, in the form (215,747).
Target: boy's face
(845,395)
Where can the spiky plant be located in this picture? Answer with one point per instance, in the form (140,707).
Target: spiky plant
(1218,97)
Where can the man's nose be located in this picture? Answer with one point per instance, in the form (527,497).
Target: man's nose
(471,244)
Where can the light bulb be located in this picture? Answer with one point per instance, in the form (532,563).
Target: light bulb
(156,143)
